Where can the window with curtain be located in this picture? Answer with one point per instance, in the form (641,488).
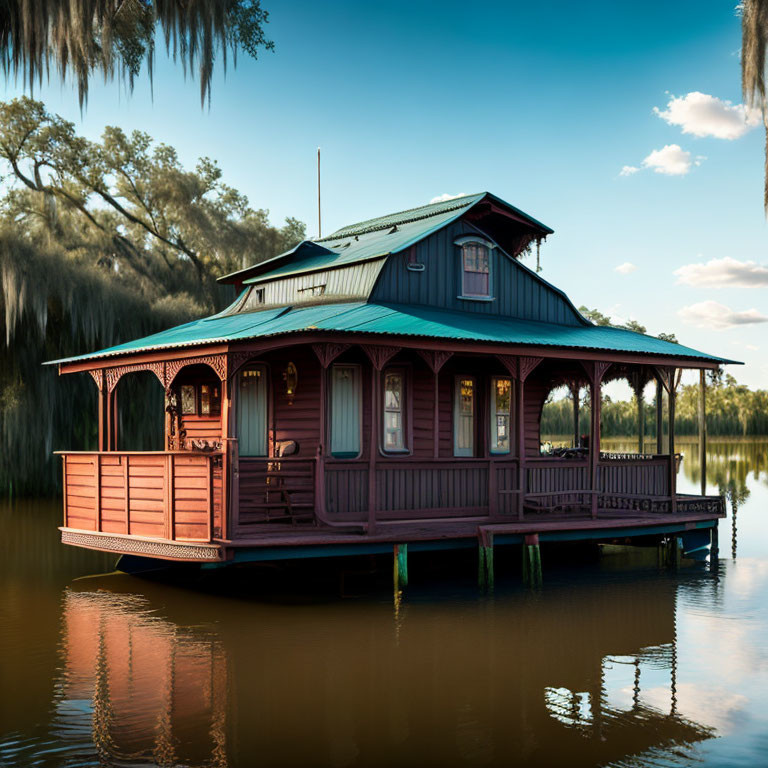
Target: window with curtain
(346,406)
(476,270)
(394,411)
(501,414)
(464,417)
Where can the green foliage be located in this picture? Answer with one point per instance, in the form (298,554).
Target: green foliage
(115,38)
(733,410)
(101,242)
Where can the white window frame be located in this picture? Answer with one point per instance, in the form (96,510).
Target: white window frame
(358,380)
(494,413)
(461,242)
(460,452)
(403,410)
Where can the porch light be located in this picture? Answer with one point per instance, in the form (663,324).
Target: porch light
(291,379)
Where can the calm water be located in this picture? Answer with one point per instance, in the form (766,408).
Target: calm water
(613,662)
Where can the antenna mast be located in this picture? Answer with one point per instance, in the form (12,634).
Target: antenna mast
(319,220)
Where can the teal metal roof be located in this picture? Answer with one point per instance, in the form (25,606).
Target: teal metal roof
(371,239)
(400,320)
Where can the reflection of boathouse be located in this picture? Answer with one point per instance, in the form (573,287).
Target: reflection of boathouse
(518,682)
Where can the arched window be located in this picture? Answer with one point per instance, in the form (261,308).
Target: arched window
(475,267)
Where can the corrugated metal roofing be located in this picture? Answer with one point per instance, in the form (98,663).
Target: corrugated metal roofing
(401,320)
(366,245)
(371,239)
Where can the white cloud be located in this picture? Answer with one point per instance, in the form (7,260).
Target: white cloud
(703,115)
(725,271)
(626,268)
(712,314)
(671,160)
(628,170)
(445,196)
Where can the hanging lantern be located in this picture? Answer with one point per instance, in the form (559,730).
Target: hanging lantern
(291,379)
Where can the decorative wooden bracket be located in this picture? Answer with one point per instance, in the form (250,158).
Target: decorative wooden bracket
(510,362)
(98,376)
(526,366)
(596,370)
(668,378)
(236,360)
(328,352)
(435,358)
(217,362)
(379,355)
(113,375)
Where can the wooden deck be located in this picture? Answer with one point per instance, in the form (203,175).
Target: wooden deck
(451,533)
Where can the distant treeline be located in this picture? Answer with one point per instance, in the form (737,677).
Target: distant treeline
(733,410)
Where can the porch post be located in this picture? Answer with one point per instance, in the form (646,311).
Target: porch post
(659,416)
(594,439)
(596,371)
(638,385)
(525,366)
(575,395)
(703,429)
(672,462)
(435,359)
(379,356)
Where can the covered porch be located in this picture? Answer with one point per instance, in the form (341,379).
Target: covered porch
(328,438)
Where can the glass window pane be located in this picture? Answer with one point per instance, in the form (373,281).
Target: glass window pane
(345,411)
(393,390)
(501,415)
(188,401)
(464,418)
(205,400)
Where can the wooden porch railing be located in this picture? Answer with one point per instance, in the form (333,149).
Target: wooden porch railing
(175,496)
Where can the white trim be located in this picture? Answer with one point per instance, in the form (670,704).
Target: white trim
(477,298)
(466,239)
(463,452)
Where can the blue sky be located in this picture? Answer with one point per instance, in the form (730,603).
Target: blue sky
(542,104)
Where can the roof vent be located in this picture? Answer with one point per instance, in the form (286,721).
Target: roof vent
(393,230)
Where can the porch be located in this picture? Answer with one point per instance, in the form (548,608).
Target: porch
(253,455)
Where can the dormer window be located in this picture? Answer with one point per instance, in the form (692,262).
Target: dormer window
(475,268)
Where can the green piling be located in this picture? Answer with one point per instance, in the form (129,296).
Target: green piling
(401,566)
(485,570)
(532,561)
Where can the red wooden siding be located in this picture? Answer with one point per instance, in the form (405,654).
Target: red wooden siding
(536,393)
(206,428)
(158,495)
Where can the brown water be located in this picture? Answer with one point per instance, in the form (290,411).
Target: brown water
(613,662)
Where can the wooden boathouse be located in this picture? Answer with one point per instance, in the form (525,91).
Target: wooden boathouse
(381,387)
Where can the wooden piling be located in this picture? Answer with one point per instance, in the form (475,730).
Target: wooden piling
(485,570)
(532,561)
(400,566)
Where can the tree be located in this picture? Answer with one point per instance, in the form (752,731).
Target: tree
(114,38)
(754,42)
(128,205)
(101,242)
(598,318)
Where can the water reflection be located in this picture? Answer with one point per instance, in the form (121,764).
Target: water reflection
(138,687)
(611,663)
(534,680)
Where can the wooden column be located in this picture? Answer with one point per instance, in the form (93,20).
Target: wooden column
(596,371)
(575,395)
(703,429)
(373,449)
(672,462)
(326,353)
(435,359)
(520,434)
(594,440)
(379,356)
(659,417)
(638,381)
(521,368)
